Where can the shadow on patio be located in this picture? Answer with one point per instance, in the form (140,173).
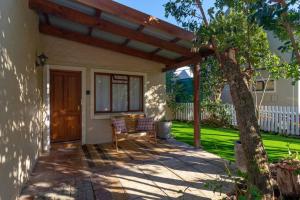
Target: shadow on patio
(140,170)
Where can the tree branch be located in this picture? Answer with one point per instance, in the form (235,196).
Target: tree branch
(213,38)
(290,31)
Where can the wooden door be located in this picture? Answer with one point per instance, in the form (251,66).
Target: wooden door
(65,106)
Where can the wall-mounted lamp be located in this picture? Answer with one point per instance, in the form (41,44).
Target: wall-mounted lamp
(41,60)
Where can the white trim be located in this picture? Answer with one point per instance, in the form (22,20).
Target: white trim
(46,112)
(298,96)
(46,86)
(109,115)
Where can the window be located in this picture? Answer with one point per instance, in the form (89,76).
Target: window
(118,93)
(261,85)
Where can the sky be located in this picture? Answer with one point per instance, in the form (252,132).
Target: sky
(156,8)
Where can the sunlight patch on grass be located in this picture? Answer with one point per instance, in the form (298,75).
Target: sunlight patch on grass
(221,141)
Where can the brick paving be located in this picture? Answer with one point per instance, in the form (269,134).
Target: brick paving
(139,170)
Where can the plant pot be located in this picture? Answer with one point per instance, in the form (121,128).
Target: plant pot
(164,129)
(288,179)
(240,159)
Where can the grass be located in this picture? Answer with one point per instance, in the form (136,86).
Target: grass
(220,141)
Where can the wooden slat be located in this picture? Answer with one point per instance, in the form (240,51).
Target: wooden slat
(138,17)
(48,7)
(78,37)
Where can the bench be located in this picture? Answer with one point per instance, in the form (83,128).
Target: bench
(131,123)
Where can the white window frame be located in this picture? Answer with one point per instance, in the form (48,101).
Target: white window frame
(92,94)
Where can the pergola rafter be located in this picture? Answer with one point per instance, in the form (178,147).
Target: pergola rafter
(97,15)
(50,8)
(85,39)
(138,17)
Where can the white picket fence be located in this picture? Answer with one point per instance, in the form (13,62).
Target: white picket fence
(277,119)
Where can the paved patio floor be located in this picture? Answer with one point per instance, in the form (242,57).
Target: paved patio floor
(140,170)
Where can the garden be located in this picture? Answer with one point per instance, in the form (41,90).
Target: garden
(220,141)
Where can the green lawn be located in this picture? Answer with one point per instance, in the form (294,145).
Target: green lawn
(220,141)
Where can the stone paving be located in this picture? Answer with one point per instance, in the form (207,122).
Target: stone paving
(139,170)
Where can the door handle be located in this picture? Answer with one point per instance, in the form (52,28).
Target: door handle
(78,107)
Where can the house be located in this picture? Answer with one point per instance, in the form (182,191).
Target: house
(102,59)
(271,92)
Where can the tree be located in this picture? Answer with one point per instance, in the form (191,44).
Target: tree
(241,47)
(282,17)
(212,81)
(175,91)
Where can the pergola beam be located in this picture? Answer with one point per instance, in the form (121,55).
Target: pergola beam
(203,52)
(183,63)
(48,7)
(138,17)
(85,39)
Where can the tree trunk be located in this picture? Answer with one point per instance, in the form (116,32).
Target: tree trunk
(257,161)
(217,92)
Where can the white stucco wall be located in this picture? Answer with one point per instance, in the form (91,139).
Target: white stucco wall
(285,94)
(20,96)
(67,53)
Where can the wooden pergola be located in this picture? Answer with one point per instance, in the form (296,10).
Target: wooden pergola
(116,27)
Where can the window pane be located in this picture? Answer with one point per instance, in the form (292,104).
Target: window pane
(102,84)
(120,97)
(135,93)
(259,86)
(270,85)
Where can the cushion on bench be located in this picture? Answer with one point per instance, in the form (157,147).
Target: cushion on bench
(145,124)
(120,125)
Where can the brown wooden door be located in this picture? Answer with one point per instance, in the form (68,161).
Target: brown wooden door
(65,106)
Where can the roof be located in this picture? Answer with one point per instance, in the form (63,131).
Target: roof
(113,26)
(184,73)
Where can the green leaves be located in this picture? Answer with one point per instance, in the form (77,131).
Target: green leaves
(184,12)
(241,24)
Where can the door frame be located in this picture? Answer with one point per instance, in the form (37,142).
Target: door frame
(46,102)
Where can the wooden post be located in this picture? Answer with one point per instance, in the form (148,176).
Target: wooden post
(196,106)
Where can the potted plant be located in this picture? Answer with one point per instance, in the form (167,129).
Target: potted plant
(164,128)
(288,175)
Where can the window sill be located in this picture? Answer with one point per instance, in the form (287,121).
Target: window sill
(260,92)
(110,115)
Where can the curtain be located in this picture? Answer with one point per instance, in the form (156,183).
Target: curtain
(135,93)
(102,85)
(119,97)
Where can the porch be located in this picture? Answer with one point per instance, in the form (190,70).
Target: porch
(140,170)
